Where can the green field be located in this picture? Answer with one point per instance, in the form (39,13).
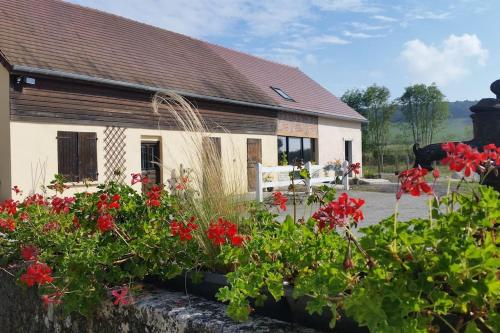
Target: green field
(399,153)
(455,129)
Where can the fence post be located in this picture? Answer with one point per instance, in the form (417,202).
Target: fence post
(259,191)
(308,167)
(345,177)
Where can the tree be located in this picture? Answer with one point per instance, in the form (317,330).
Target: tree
(354,98)
(373,103)
(424,110)
(379,112)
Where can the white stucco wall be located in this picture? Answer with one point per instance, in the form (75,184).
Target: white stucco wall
(332,134)
(5,151)
(35,160)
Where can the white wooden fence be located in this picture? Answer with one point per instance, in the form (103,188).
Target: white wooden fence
(314,172)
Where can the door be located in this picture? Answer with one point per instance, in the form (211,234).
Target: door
(212,164)
(150,159)
(254,156)
(348,151)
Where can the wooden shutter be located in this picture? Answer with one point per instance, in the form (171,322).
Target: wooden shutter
(87,156)
(211,163)
(254,156)
(67,155)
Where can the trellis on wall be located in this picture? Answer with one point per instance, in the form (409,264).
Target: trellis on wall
(114,154)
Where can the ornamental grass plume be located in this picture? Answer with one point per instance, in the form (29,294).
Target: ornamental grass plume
(215,178)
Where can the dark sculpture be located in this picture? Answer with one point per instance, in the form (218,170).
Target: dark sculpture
(486,123)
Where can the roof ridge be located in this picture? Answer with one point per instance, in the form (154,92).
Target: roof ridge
(174,32)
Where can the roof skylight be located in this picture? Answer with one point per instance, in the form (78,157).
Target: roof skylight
(282,93)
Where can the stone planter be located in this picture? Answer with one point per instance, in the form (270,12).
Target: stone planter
(287,309)
(319,322)
(210,285)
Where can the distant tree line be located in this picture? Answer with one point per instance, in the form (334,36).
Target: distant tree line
(423,109)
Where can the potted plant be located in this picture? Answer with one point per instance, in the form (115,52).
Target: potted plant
(269,178)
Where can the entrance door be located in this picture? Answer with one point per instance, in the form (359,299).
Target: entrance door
(212,164)
(348,150)
(150,158)
(254,156)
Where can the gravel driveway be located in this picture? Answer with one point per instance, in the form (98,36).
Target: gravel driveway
(377,206)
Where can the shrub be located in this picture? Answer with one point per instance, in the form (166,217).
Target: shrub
(95,243)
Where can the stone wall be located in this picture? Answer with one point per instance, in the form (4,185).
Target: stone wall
(153,311)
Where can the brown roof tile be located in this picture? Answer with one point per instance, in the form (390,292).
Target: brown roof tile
(307,94)
(55,35)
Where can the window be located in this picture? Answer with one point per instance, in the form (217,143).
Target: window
(282,93)
(77,155)
(150,159)
(296,149)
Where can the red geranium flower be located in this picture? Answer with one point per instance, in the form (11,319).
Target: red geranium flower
(121,296)
(35,199)
(237,240)
(224,231)
(105,222)
(280,200)
(338,212)
(54,298)
(29,252)
(184,232)
(76,223)
(17,190)
(493,153)
(354,167)
(37,273)
(9,206)
(435,173)
(412,181)
(461,156)
(154,196)
(114,205)
(8,225)
(182,185)
(105,203)
(139,178)
(60,205)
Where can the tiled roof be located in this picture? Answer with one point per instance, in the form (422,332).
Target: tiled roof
(59,36)
(306,93)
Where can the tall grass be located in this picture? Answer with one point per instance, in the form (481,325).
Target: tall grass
(216,179)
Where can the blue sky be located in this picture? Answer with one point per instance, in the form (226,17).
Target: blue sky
(346,44)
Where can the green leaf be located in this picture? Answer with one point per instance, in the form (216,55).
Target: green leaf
(472,328)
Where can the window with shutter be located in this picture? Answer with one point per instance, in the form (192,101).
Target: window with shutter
(87,155)
(77,155)
(67,155)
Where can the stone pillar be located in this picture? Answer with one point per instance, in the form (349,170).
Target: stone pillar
(486,118)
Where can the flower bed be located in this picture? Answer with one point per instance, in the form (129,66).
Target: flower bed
(414,276)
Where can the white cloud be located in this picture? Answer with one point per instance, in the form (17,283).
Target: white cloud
(351,34)
(314,42)
(202,18)
(345,5)
(384,18)
(266,18)
(367,27)
(327,39)
(311,59)
(445,63)
(428,15)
